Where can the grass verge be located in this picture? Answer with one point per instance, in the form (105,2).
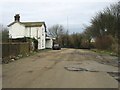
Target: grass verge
(105,52)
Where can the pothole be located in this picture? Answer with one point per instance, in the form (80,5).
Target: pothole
(78,68)
(115,75)
(30,71)
(75,69)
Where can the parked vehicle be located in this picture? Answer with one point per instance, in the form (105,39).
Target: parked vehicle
(56,47)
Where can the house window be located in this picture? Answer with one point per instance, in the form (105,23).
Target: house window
(42,43)
(42,31)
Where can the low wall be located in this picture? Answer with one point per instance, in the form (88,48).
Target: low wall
(10,50)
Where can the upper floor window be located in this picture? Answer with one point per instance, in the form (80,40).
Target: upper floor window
(42,43)
(42,31)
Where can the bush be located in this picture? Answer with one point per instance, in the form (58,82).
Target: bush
(85,43)
(114,46)
(104,42)
(4,35)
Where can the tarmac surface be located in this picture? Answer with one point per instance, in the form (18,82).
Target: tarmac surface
(66,68)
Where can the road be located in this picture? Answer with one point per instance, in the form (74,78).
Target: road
(66,68)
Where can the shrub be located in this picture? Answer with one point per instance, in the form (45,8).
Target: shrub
(85,43)
(114,46)
(104,42)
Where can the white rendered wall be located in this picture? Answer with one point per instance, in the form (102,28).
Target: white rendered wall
(16,31)
(43,36)
(37,33)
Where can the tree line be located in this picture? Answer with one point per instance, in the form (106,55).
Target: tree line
(104,28)
(66,40)
(4,34)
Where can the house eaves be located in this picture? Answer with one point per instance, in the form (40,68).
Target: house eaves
(30,24)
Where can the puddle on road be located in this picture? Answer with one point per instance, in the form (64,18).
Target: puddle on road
(74,69)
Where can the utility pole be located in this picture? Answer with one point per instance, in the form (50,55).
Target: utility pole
(67,24)
(67,42)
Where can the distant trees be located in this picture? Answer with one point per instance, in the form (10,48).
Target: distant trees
(56,31)
(4,34)
(64,39)
(75,40)
(67,40)
(107,19)
(104,25)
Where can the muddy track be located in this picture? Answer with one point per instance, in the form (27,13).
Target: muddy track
(47,70)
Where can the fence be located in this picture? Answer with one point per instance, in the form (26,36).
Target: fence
(10,50)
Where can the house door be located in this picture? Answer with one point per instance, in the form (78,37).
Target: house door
(39,44)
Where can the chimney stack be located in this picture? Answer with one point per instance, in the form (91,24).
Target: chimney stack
(17,18)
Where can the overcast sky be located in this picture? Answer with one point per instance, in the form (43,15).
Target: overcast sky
(78,12)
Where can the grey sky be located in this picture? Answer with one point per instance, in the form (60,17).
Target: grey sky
(79,12)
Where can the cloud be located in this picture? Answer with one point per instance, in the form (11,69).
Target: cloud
(79,12)
(58,1)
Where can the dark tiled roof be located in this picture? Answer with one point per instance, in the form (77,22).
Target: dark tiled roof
(30,24)
(33,24)
(11,24)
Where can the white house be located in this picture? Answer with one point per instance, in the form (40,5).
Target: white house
(35,30)
(92,40)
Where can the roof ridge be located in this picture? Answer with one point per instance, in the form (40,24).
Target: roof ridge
(27,24)
(32,21)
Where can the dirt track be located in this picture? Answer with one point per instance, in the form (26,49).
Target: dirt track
(61,69)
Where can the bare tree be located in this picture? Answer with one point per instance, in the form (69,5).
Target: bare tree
(104,26)
(4,36)
(56,31)
(105,22)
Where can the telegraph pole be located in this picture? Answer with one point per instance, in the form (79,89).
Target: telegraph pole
(67,24)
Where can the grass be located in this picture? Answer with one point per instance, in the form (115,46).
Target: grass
(105,52)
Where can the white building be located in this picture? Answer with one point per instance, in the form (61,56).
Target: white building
(35,30)
(92,40)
